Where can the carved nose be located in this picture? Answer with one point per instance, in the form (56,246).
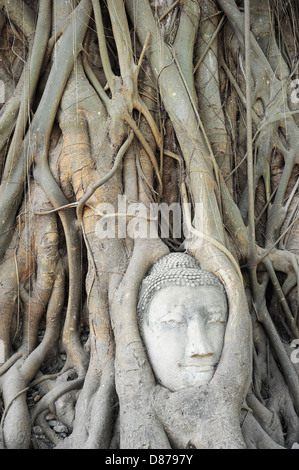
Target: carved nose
(197,342)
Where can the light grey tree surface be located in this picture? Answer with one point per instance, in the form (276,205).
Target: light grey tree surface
(113,108)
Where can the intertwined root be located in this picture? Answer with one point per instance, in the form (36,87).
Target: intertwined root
(154,115)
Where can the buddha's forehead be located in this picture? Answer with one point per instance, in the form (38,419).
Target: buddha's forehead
(191,298)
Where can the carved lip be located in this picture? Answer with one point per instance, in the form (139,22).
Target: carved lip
(207,368)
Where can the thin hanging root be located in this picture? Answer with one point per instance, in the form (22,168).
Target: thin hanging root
(18,293)
(143,109)
(265,206)
(211,40)
(294,210)
(266,252)
(144,179)
(105,178)
(57,209)
(250,159)
(176,157)
(204,236)
(102,43)
(122,214)
(238,90)
(142,56)
(130,121)
(94,81)
(281,297)
(169,10)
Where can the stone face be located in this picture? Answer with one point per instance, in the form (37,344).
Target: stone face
(184,333)
(178,269)
(182,318)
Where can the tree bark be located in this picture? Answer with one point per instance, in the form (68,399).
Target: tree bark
(111,107)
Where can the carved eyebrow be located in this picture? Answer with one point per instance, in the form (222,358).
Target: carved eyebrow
(208,312)
(211,308)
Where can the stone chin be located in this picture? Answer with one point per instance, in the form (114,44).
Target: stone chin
(190,376)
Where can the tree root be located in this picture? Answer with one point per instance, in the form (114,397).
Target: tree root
(47,402)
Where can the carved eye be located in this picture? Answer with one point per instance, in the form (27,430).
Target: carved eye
(172,320)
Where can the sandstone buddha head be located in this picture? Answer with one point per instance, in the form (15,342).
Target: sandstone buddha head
(182,314)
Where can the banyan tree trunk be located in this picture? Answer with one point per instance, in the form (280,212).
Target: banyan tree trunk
(110,108)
